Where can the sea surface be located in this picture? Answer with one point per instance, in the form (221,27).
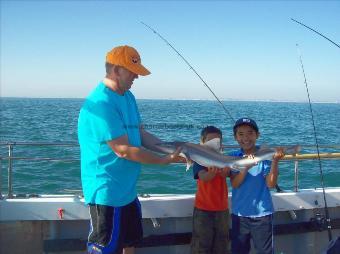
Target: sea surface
(48,121)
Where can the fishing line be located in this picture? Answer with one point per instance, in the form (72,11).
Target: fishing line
(316,32)
(329,227)
(192,68)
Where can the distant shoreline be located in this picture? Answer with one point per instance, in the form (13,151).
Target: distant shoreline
(179,99)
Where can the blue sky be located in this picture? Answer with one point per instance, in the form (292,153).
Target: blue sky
(243,50)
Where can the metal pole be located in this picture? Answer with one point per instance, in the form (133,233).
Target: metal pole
(10,153)
(296,176)
(0,178)
(311,156)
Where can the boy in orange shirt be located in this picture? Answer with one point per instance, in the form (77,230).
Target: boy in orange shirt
(211,215)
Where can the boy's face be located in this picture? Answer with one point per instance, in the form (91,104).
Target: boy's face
(246,137)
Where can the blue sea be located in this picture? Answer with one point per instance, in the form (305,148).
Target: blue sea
(55,121)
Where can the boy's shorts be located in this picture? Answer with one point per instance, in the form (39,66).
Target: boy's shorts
(210,232)
(114,228)
(260,229)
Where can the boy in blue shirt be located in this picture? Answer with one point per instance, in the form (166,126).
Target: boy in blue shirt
(252,206)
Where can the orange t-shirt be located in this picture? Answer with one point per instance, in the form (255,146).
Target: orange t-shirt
(212,195)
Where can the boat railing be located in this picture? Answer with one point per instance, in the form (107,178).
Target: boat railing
(11,157)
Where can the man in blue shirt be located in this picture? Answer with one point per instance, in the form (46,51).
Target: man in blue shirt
(252,205)
(111,138)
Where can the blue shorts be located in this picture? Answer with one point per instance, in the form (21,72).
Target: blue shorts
(259,229)
(114,228)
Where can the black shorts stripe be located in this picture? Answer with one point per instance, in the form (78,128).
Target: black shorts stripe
(113,228)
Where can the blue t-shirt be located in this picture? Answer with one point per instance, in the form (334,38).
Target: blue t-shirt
(252,198)
(104,116)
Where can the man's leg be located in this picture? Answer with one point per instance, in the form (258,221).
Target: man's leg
(106,232)
(132,223)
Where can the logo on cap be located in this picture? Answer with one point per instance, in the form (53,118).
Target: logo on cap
(135,59)
(246,121)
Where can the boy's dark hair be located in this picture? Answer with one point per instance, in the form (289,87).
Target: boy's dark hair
(245,121)
(209,129)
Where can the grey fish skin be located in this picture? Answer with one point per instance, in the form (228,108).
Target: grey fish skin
(201,154)
(264,153)
(207,157)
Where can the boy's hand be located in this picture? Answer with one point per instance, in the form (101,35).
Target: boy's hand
(208,174)
(279,154)
(213,170)
(224,172)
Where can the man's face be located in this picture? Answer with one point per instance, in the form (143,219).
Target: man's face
(125,79)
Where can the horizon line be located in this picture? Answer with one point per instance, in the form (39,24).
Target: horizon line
(184,99)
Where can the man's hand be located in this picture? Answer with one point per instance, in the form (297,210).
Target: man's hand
(173,157)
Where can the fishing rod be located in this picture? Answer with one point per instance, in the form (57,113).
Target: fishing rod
(191,68)
(329,227)
(316,32)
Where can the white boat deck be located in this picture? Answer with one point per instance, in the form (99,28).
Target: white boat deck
(46,207)
(36,223)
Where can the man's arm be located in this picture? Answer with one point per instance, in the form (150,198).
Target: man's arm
(149,141)
(123,149)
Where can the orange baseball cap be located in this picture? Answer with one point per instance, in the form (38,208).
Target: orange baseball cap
(128,58)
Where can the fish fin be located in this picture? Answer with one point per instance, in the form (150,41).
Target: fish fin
(188,161)
(189,164)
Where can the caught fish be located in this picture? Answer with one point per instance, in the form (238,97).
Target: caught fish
(264,153)
(207,154)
